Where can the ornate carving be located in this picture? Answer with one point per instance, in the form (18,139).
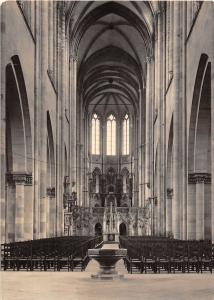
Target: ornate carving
(194,178)
(169,193)
(51,192)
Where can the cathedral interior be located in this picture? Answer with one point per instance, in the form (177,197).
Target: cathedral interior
(107,120)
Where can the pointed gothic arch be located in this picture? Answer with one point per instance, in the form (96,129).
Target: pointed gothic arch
(199,155)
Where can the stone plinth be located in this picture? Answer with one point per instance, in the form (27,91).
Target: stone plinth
(107,259)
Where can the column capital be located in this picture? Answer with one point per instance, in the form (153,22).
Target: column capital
(73,57)
(149,59)
(160,10)
(62,7)
(194,178)
(19,179)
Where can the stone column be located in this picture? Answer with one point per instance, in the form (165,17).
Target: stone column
(184,126)
(191,208)
(40,128)
(73,120)
(79,147)
(16,218)
(36,164)
(160,121)
(82,170)
(169,211)
(10,211)
(148,123)
(140,166)
(198,205)
(50,37)
(199,198)
(60,118)
(43,116)
(28,208)
(135,194)
(207,207)
(178,132)
(51,212)
(86,164)
(171,12)
(19,211)
(48,221)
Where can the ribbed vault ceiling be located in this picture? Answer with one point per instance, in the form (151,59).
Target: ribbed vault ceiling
(111,40)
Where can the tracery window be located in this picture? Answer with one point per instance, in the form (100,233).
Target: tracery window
(95,135)
(126,135)
(111,135)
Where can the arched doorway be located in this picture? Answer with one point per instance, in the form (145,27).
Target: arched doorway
(122,229)
(98,229)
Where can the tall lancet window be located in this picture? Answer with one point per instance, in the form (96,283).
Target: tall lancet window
(126,135)
(95,135)
(111,135)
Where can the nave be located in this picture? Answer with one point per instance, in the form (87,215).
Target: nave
(107,126)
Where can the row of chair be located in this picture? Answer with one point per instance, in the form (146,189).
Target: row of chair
(168,264)
(154,254)
(55,254)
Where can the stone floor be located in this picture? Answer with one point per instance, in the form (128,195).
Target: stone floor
(79,286)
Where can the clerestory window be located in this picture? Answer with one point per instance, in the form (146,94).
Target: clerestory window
(95,135)
(111,135)
(126,135)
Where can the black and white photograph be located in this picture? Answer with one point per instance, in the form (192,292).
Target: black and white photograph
(107,150)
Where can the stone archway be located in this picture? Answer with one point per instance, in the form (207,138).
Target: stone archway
(19,221)
(199,155)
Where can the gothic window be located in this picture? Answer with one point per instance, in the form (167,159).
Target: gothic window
(95,135)
(126,135)
(111,135)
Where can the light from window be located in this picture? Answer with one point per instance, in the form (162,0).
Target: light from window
(95,135)
(111,135)
(126,135)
